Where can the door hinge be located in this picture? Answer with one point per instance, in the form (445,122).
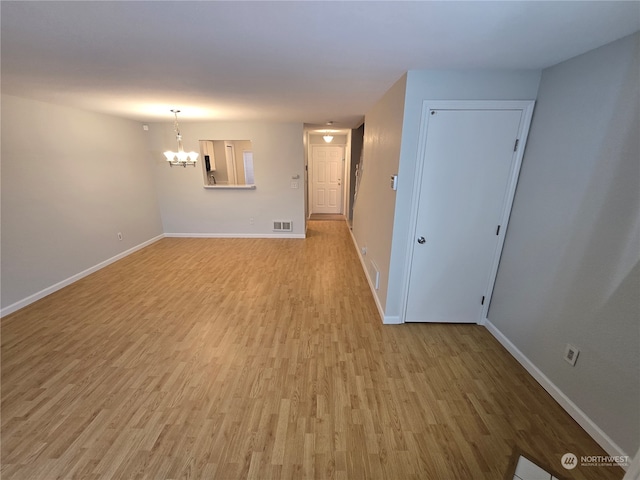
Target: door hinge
(515,146)
(482,302)
(498,230)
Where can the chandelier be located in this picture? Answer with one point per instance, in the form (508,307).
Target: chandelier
(180,157)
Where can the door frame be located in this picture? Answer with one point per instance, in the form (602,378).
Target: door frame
(344,185)
(526,108)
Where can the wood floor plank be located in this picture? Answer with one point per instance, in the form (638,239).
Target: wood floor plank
(261,358)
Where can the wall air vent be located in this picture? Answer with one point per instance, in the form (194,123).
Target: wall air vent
(374,274)
(282,226)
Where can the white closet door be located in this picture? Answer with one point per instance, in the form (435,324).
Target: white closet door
(468,163)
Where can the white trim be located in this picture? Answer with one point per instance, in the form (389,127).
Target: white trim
(477,104)
(413,216)
(310,180)
(526,107)
(72,279)
(523,133)
(346,177)
(229,187)
(392,320)
(558,395)
(235,235)
(371,286)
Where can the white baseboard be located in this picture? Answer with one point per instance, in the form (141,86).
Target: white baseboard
(74,278)
(392,320)
(565,402)
(374,292)
(235,235)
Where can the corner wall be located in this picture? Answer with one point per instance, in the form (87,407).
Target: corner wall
(381,216)
(188,208)
(373,211)
(570,269)
(71,180)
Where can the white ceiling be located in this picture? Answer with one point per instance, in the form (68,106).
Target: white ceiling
(301,61)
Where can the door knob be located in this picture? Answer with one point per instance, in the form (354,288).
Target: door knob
(421,240)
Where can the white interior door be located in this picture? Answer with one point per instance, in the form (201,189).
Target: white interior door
(326,179)
(465,186)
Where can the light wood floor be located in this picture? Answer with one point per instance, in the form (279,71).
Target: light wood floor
(327,216)
(266,359)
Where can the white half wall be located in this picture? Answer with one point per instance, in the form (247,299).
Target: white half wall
(570,269)
(71,180)
(188,208)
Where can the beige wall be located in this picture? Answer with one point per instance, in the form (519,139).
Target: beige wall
(373,212)
(221,174)
(71,180)
(241,146)
(338,139)
(188,208)
(570,270)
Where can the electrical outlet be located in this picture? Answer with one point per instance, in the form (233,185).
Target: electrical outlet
(294,184)
(363,251)
(251,221)
(120,236)
(571,354)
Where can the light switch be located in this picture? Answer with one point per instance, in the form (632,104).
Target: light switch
(294,184)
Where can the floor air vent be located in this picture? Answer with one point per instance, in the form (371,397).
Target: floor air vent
(282,226)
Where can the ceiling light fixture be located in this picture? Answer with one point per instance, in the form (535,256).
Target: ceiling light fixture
(180,157)
(327,133)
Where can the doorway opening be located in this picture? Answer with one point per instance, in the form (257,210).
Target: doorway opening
(330,172)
